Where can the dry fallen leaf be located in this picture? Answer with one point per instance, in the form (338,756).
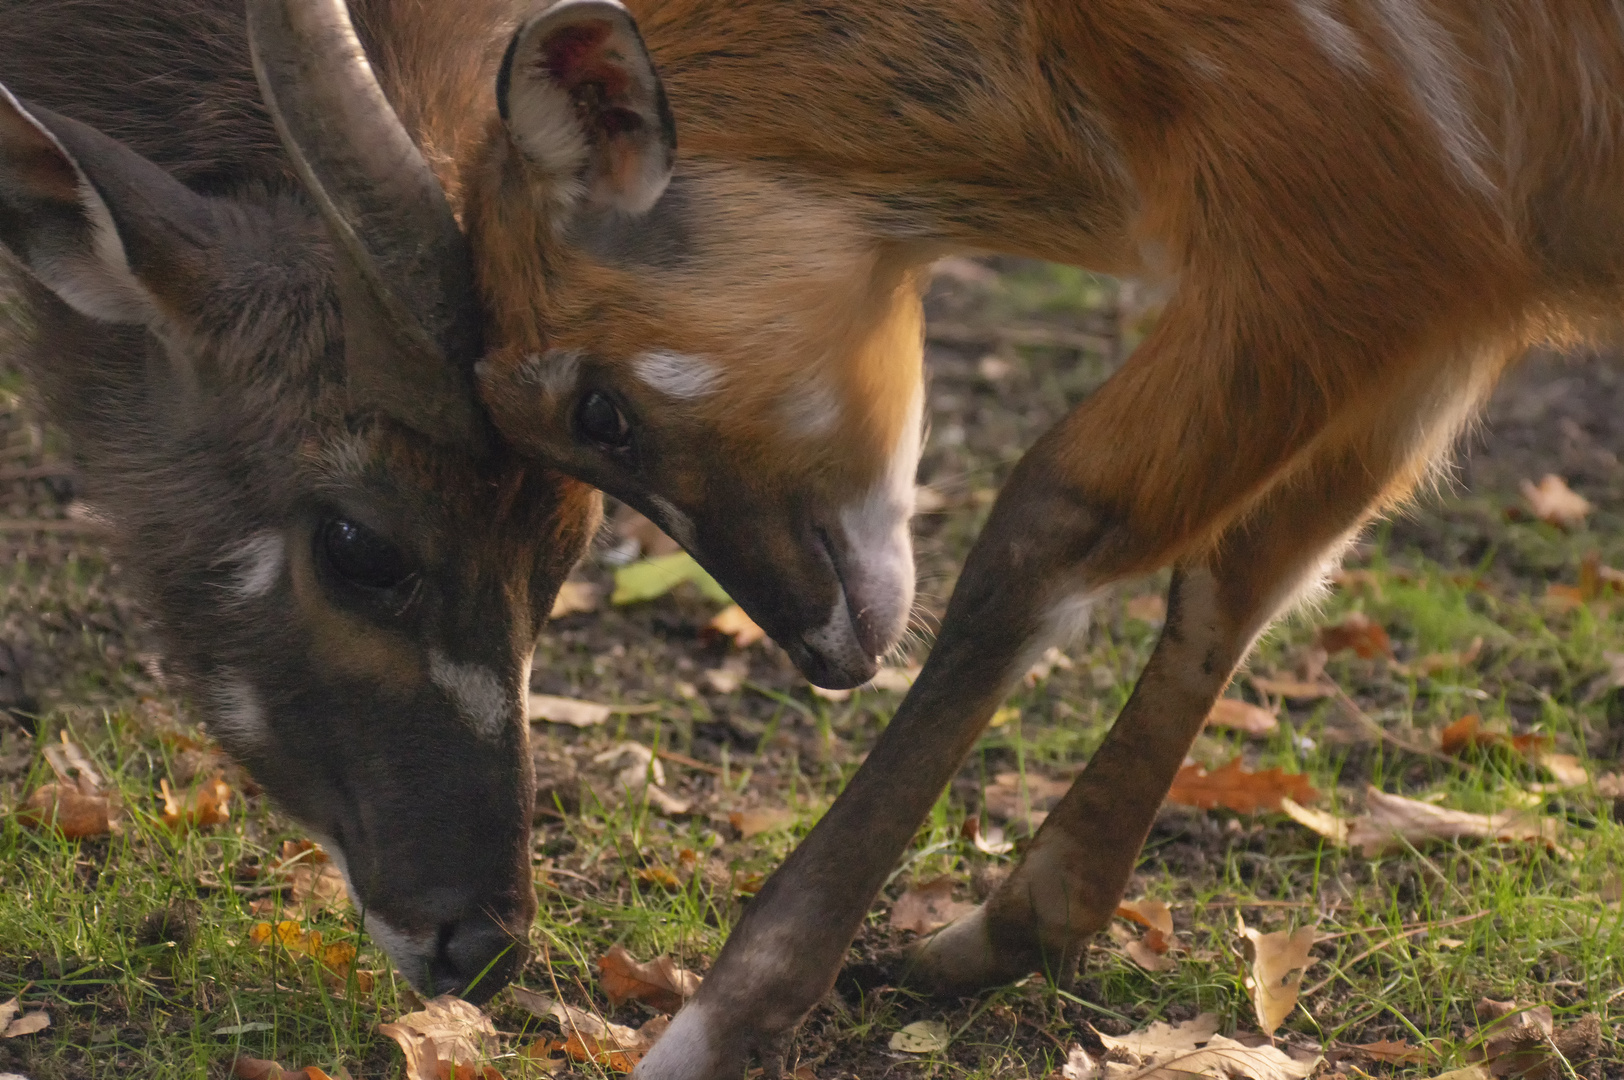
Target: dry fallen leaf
(660,983)
(1149,951)
(444,1035)
(1434,663)
(1051,660)
(1358,581)
(1194,1048)
(576,598)
(1391,1053)
(1324,822)
(72,812)
(588,1038)
(335,957)
(1389,820)
(1469,733)
(1233,787)
(13,1026)
(920,1037)
(733,673)
(732,622)
(1242,716)
(762,819)
(1358,632)
(207,804)
(563,710)
(928,907)
(72,765)
(244,1067)
(1014,796)
(1275,966)
(640,775)
(1552,501)
(1523,1041)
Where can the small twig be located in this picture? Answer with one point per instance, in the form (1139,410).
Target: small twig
(1353,710)
(1380,945)
(692,763)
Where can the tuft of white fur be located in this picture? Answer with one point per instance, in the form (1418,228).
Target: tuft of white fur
(678,375)
(238,717)
(811,411)
(475,690)
(259,561)
(554,372)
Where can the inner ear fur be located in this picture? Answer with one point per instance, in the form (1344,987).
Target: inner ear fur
(583,103)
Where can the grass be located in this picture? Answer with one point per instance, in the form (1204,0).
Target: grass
(140,945)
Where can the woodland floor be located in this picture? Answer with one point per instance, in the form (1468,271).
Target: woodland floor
(141,950)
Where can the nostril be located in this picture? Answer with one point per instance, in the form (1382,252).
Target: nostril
(474,958)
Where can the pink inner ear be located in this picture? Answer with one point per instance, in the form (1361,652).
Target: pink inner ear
(577,57)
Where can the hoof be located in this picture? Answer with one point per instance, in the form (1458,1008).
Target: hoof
(972,955)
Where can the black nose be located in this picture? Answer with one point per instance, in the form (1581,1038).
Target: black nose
(475,958)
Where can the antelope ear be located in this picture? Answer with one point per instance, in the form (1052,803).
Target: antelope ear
(583,102)
(100,226)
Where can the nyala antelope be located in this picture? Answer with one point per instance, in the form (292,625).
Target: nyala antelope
(268,386)
(1364,209)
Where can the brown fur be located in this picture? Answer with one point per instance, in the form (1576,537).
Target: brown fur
(1366,211)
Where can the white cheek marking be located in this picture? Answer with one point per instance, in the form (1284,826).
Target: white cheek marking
(555,371)
(1335,38)
(238,718)
(811,411)
(678,375)
(676,524)
(259,561)
(476,690)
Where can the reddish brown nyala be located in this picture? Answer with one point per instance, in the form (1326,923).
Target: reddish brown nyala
(1363,211)
(268,387)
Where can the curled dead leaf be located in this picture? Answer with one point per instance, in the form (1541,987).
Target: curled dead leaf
(74,813)
(1233,787)
(733,622)
(1391,820)
(205,805)
(1194,1048)
(760,820)
(928,907)
(1242,716)
(1367,638)
(1296,689)
(443,1037)
(576,598)
(660,983)
(13,1026)
(1275,966)
(1552,501)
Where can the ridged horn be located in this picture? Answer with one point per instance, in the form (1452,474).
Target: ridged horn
(412,328)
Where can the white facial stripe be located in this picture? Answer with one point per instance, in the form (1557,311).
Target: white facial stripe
(678,375)
(410,955)
(238,718)
(476,691)
(555,371)
(259,561)
(676,524)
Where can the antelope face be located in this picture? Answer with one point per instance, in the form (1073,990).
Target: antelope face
(274,406)
(730,354)
(365,651)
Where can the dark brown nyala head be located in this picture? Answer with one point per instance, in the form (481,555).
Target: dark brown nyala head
(270,397)
(710,338)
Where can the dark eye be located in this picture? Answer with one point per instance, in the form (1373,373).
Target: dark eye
(360,556)
(598,419)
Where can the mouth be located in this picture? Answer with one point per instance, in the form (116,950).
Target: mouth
(844,651)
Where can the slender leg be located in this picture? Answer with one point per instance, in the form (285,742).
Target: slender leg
(1047,550)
